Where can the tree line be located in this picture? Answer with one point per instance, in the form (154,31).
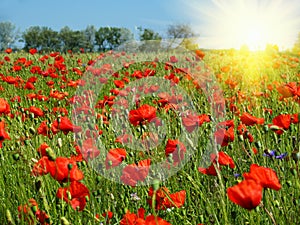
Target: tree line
(90,39)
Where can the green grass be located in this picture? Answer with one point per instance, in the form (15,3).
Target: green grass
(206,199)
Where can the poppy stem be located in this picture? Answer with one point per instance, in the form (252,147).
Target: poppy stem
(269,214)
(154,203)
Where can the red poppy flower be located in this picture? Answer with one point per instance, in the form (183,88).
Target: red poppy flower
(78,193)
(242,130)
(173,59)
(266,177)
(133,173)
(43,129)
(42,149)
(247,194)
(8,50)
(3,134)
(191,122)
(288,90)
(164,199)
(223,136)
(139,219)
(29,86)
(200,53)
(119,83)
(41,167)
(26,212)
(89,150)
(32,51)
(65,125)
(176,148)
(4,106)
(64,170)
(115,157)
(225,160)
(250,120)
(145,113)
(211,170)
(283,122)
(36,111)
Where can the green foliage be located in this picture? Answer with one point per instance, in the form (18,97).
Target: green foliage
(108,38)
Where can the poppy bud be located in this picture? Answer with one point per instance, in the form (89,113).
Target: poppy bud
(155,184)
(50,153)
(70,166)
(69,195)
(266,128)
(241,137)
(9,217)
(34,209)
(275,128)
(59,142)
(64,221)
(170,158)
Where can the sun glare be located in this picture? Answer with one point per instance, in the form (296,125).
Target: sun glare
(255,23)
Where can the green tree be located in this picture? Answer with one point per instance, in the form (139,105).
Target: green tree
(148,34)
(8,35)
(31,37)
(72,40)
(41,38)
(108,38)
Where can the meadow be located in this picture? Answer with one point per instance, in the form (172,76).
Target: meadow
(189,137)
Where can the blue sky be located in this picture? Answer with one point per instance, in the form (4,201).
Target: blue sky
(220,23)
(77,14)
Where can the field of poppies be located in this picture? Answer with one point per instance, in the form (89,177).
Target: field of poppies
(165,137)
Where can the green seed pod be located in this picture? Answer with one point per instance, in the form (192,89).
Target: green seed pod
(27,142)
(16,156)
(31,116)
(257,144)
(266,128)
(32,130)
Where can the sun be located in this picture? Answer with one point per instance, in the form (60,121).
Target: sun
(255,23)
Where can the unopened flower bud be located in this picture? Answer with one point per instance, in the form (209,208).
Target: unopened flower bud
(51,154)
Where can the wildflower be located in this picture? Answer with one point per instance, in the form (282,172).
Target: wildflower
(77,197)
(266,177)
(145,113)
(247,194)
(133,173)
